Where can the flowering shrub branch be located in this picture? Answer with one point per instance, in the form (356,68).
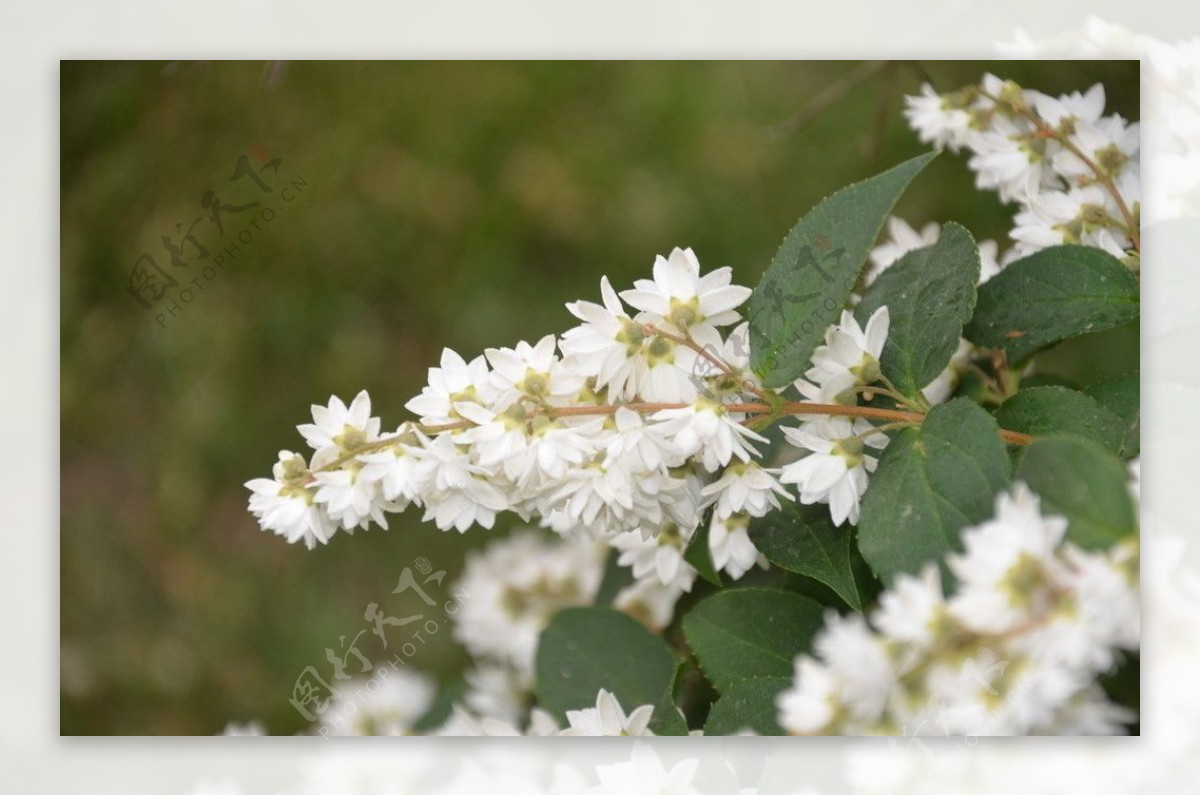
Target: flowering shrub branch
(640,440)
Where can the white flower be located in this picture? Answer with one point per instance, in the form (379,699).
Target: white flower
(287,506)
(454,382)
(831,392)
(861,663)
(836,469)
(339,427)
(531,450)
(390,702)
(649,601)
(514,587)
(808,706)
(462,509)
(1084,215)
(735,351)
(556,447)
(350,498)
(1006,161)
(637,448)
(607,718)
(532,371)
(609,344)
(1110,143)
(730,546)
(497,691)
(667,370)
(458,493)
(744,487)
(910,610)
(394,469)
(1072,108)
(1103,615)
(661,554)
(682,494)
(936,121)
(846,692)
(500,433)
(679,299)
(1006,572)
(850,353)
(705,429)
(596,497)
(1035,693)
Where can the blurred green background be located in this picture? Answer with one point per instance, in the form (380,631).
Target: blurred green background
(444,204)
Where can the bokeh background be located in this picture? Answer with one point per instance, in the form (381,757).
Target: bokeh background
(433,204)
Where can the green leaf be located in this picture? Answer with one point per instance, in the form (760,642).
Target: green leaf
(699,554)
(804,540)
(1122,396)
(1081,481)
(930,295)
(808,282)
(748,704)
(1053,294)
(585,649)
(930,483)
(743,633)
(668,718)
(1123,684)
(1046,410)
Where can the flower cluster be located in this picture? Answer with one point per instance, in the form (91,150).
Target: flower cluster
(1074,171)
(390,702)
(516,585)
(623,431)
(1015,650)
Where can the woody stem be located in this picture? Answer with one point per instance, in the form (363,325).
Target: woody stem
(787,408)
